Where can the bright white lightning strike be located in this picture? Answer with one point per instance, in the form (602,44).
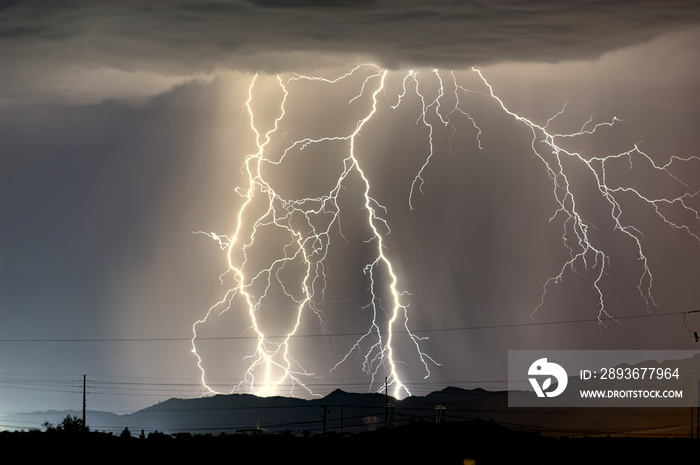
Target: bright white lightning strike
(307,225)
(567,203)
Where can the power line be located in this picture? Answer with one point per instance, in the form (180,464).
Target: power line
(601,321)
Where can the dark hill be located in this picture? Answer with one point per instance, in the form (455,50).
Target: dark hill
(349,413)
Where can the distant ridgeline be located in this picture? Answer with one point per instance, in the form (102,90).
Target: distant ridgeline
(351,413)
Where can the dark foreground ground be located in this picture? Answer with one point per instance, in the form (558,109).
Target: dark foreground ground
(449,443)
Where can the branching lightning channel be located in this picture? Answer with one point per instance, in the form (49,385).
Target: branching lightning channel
(309,223)
(585,250)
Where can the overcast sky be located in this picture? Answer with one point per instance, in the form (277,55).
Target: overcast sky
(123,130)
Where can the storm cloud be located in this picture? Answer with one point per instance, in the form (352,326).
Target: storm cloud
(88,51)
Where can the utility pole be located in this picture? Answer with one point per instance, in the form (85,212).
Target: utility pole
(389,413)
(440,413)
(325,412)
(84,392)
(386,402)
(695,417)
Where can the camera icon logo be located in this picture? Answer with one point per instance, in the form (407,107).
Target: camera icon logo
(541,368)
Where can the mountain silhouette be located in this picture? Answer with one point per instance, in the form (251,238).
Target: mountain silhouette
(349,413)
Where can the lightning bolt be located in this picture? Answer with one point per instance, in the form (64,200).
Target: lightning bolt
(585,251)
(304,226)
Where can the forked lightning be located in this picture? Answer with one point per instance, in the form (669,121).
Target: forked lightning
(308,224)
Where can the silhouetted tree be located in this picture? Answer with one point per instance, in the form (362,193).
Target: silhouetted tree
(70,424)
(156,435)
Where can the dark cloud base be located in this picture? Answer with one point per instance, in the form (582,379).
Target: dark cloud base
(40,41)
